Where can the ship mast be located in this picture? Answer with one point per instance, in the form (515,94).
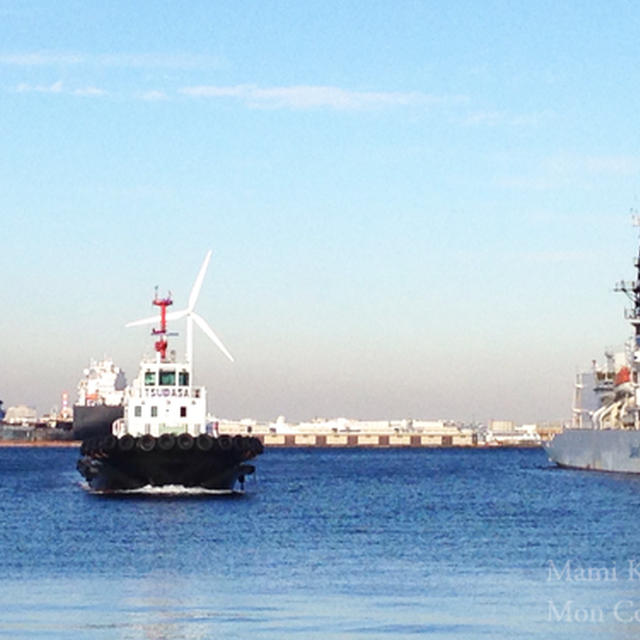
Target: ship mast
(161,343)
(632,290)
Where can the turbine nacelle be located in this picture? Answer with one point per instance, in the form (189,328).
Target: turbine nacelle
(191,316)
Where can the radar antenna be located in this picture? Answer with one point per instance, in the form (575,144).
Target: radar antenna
(632,288)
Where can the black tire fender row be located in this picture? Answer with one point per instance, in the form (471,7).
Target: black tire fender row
(245,445)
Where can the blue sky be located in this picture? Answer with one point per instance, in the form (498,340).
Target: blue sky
(417,209)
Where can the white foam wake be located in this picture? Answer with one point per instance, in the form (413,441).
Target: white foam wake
(166,490)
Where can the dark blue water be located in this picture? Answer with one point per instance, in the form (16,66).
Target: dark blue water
(325,544)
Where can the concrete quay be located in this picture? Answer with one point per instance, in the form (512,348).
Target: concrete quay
(344,432)
(364,440)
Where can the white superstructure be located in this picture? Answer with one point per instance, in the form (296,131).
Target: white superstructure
(162,400)
(103,384)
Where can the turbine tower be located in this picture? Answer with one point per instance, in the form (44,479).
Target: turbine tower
(191,316)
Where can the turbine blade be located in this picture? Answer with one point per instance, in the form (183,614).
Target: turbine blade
(173,315)
(197,285)
(210,334)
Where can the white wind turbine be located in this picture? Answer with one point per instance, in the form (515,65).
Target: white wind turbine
(191,317)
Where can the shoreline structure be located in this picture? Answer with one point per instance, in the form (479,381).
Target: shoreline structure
(336,433)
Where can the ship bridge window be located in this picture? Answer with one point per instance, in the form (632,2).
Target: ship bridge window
(149,378)
(183,379)
(167,377)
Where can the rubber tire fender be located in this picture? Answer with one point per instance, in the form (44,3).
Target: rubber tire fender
(185,441)
(240,443)
(109,443)
(126,443)
(146,443)
(166,442)
(255,446)
(204,442)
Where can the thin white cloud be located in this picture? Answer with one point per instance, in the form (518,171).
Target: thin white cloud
(533,182)
(537,257)
(294,97)
(531,119)
(125,60)
(621,165)
(572,169)
(310,97)
(554,257)
(153,95)
(36,59)
(217,92)
(504,118)
(575,164)
(58,88)
(90,92)
(490,118)
(150,60)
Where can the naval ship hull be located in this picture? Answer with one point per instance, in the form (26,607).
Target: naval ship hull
(616,450)
(113,464)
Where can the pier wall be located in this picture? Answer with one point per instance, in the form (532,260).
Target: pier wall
(365,440)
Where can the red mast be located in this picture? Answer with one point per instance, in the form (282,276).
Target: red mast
(161,344)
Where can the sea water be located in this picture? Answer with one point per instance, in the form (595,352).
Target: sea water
(367,544)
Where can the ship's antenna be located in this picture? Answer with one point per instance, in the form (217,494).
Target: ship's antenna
(632,288)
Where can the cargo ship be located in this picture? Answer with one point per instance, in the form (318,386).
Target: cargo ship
(100,399)
(163,437)
(605,429)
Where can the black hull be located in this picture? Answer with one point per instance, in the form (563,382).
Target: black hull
(94,421)
(125,464)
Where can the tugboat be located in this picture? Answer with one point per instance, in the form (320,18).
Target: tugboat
(163,437)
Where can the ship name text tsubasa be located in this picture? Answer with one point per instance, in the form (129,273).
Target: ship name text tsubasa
(172,393)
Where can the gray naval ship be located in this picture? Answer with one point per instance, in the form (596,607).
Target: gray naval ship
(605,429)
